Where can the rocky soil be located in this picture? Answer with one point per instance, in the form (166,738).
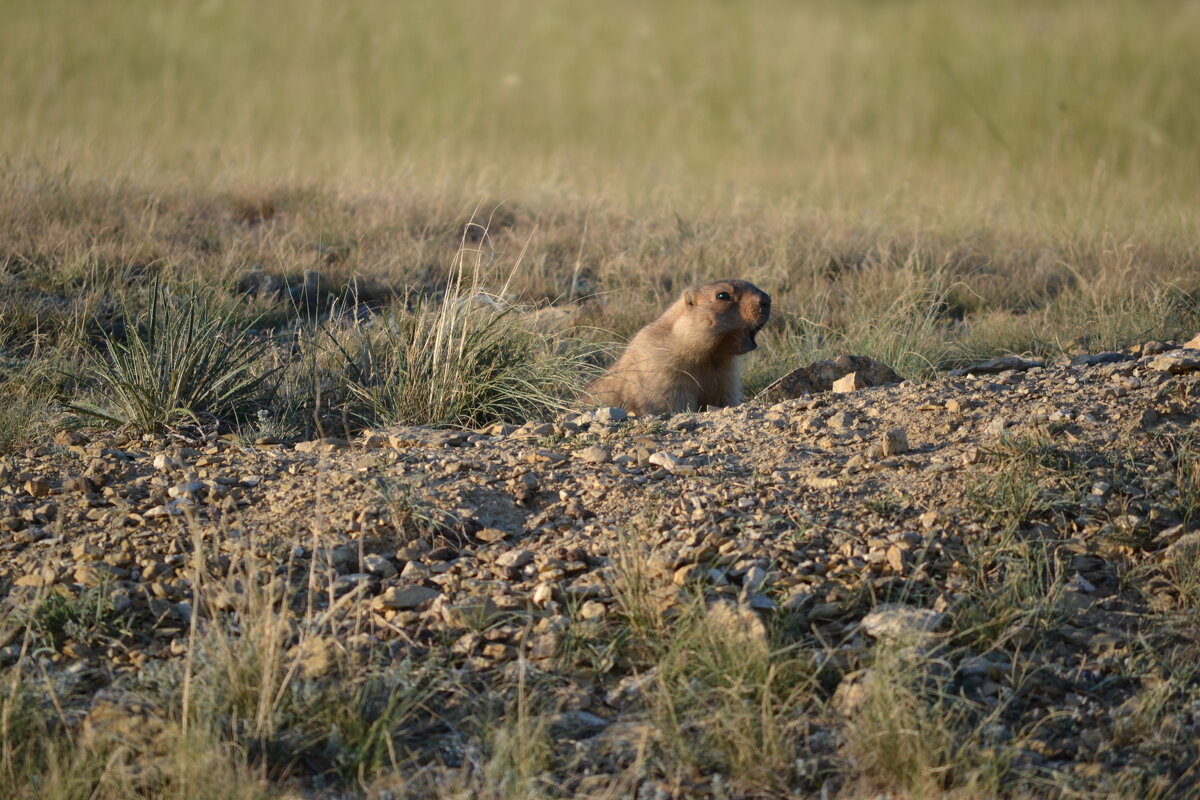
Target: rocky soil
(830,522)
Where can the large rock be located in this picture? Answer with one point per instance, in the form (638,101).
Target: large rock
(1177,361)
(820,376)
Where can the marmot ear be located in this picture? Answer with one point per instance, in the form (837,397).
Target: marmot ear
(689,296)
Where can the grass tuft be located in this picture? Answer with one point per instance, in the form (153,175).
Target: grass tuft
(912,733)
(183,361)
(464,361)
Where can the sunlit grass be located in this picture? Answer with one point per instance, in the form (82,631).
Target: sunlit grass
(1049,118)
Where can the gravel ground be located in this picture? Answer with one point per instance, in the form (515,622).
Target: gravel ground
(847,518)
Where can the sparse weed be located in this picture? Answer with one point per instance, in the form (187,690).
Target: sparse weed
(1184,461)
(88,617)
(1016,585)
(28,414)
(1031,479)
(410,518)
(912,733)
(722,696)
(516,755)
(639,596)
(29,382)
(724,700)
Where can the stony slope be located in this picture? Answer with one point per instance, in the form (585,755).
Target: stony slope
(822,517)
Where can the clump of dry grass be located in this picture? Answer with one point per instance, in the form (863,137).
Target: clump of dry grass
(242,707)
(461,363)
(912,733)
(724,693)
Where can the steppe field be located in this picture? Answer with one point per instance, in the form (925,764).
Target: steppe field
(301,495)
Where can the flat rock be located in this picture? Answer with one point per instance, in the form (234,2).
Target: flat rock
(997,365)
(902,624)
(1177,361)
(577,725)
(405,597)
(327,444)
(491,535)
(379,566)
(667,461)
(403,438)
(1095,359)
(595,454)
(165,463)
(514,559)
(609,415)
(1187,545)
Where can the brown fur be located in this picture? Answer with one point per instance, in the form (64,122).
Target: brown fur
(689,358)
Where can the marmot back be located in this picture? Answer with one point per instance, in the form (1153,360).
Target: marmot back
(689,358)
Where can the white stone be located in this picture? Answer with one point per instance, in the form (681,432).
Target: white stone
(903,624)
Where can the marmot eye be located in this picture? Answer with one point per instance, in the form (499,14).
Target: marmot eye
(723,296)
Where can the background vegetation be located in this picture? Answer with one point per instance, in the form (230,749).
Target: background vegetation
(1047,116)
(922,182)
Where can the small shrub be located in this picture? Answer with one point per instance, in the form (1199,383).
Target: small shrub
(88,618)
(410,517)
(1014,584)
(459,363)
(184,359)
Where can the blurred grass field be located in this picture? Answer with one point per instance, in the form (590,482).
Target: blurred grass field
(1039,116)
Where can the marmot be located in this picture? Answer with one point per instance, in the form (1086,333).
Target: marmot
(688,359)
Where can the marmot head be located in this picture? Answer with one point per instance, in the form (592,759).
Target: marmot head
(734,311)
